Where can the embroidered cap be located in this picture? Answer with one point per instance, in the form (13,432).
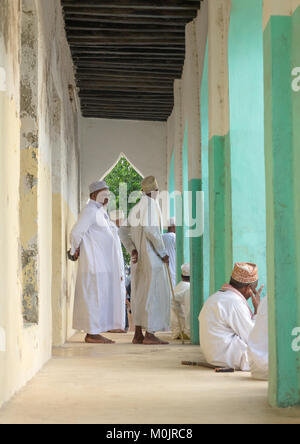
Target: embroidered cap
(97,186)
(245,273)
(149,184)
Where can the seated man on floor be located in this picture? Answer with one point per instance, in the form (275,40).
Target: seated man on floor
(226,319)
(180,307)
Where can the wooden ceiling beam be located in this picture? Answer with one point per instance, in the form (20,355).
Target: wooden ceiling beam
(121,100)
(127,51)
(121,27)
(128,105)
(127,113)
(159,21)
(124,86)
(130,12)
(142,119)
(115,75)
(135,4)
(150,59)
(135,35)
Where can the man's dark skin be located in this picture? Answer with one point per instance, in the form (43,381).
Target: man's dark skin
(149,338)
(249,291)
(172,229)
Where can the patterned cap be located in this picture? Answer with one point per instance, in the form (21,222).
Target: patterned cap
(149,184)
(245,273)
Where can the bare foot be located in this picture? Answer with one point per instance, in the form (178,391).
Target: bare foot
(97,339)
(138,339)
(151,339)
(118,330)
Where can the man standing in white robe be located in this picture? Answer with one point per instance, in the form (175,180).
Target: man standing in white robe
(150,285)
(180,313)
(169,239)
(100,293)
(226,319)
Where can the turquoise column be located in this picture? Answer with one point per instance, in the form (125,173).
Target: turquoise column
(196,264)
(179,237)
(282,142)
(172,185)
(205,176)
(220,211)
(246,100)
(185,184)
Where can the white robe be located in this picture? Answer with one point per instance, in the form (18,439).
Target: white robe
(226,322)
(170,244)
(100,286)
(181,308)
(150,287)
(258,349)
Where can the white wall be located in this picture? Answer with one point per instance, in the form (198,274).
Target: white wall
(102,141)
(24,348)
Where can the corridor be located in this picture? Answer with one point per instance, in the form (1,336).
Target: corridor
(203,95)
(132,384)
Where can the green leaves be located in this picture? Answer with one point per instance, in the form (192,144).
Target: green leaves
(124,173)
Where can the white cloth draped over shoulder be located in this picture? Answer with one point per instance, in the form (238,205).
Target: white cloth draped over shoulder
(181,309)
(226,322)
(100,286)
(150,287)
(170,244)
(258,349)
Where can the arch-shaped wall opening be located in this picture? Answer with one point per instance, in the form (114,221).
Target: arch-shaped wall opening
(124,181)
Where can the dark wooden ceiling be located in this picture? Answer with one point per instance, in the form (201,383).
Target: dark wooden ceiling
(127,54)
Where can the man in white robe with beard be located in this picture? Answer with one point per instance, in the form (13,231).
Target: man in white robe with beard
(150,285)
(226,319)
(100,286)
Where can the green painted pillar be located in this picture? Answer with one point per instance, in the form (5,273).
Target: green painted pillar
(220,212)
(179,236)
(196,264)
(282,148)
(205,176)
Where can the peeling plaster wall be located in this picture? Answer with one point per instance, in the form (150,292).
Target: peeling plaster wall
(45,161)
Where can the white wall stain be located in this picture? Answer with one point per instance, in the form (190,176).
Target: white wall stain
(2,340)
(2,79)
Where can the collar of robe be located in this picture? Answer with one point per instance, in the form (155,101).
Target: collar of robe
(228,287)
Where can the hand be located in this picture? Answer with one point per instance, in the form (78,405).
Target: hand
(256,296)
(77,254)
(135,256)
(166,259)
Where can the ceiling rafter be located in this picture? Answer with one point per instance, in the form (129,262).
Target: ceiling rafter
(127,54)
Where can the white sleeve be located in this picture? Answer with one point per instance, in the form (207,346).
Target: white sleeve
(241,322)
(86,219)
(126,239)
(154,236)
(150,222)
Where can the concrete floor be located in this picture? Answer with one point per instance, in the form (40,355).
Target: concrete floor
(134,384)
